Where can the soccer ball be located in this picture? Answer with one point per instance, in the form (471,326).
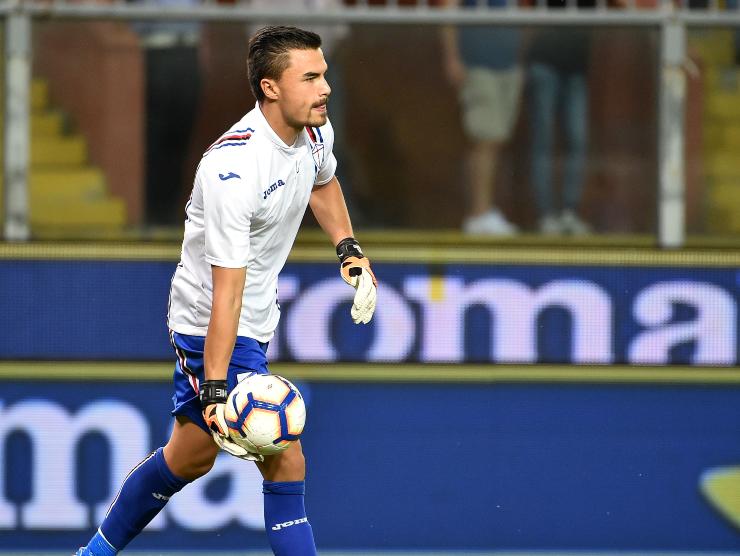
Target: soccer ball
(265,414)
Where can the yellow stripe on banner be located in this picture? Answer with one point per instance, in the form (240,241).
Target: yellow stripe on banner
(440,253)
(436,288)
(411,373)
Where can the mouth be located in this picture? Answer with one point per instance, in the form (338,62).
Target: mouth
(320,107)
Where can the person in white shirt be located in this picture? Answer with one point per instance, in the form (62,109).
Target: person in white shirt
(251,190)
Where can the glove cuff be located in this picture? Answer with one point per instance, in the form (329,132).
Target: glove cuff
(213,391)
(349,247)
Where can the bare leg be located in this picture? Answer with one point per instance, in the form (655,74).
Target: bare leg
(289,465)
(482,161)
(189,454)
(190,451)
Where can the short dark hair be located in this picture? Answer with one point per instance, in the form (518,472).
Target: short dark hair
(268,53)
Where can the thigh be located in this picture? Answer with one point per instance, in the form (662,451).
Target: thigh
(511,84)
(575,110)
(190,451)
(544,88)
(487,103)
(248,357)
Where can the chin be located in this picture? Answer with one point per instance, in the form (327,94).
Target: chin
(317,121)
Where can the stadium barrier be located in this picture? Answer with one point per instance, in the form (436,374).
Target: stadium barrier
(669,18)
(436,448)
(649,309)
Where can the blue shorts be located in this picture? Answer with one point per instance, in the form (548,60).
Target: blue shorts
(248,357)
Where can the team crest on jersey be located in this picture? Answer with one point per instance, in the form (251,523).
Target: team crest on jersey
(317,151)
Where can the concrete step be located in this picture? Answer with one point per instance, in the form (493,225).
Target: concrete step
(39,94)
(47,123)
(58,151)
(725,194)
(722,106)
(43,124)
(101,213)
(83,183)
(65,183)
(713,46)
(722,79)
(722,165)
(720,137)
(40,97)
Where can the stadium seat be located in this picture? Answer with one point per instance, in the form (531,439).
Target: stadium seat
(721,128)
(68,194)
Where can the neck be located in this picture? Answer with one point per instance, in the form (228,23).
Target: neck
(275,119)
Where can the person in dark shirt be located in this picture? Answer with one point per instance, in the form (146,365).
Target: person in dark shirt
(173,84)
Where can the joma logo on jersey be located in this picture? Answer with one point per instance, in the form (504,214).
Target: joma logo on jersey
(267,192)
(285,524)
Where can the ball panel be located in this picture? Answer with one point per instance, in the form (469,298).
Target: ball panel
(262,426)
(296,416)
(235,405)
(265,413)
(273,391)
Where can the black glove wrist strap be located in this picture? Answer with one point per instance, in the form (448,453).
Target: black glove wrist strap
(213,391)
(349,247)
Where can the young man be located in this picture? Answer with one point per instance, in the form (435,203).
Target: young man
(483,64)
(250,193)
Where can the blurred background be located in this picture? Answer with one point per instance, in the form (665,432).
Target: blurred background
(550,195)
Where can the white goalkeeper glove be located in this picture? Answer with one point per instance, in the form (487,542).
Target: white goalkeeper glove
(213,396)
(355,270)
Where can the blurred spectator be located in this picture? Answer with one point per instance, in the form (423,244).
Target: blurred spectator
(483,64)
(173,82)
(558,67)
(333,39)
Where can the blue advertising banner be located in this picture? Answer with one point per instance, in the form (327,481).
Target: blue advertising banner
(115,310)
(403,466)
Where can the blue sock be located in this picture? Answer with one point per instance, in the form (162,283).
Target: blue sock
(144,492)
(100,546)
(287,526)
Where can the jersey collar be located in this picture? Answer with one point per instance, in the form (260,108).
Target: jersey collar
(274,138)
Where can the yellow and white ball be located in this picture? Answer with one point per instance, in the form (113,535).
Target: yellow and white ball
(265,413)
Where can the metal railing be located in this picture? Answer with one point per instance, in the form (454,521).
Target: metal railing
(669,18)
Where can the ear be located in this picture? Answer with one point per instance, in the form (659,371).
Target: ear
(270,89)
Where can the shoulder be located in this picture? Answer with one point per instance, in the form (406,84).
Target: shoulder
(232,140)
(227,166)
(237,138)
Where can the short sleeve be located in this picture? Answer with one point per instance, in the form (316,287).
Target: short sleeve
(327,170)
(325,140)
(228,209)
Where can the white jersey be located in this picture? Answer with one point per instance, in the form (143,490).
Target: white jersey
(250,193)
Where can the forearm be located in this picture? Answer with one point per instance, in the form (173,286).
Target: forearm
(328,206)
(222,327)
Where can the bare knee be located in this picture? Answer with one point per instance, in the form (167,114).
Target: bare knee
(190,466)
(189,453)
(289,465)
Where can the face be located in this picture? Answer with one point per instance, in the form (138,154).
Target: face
(302,90)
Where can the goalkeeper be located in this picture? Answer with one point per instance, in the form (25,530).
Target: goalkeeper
(251,190)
